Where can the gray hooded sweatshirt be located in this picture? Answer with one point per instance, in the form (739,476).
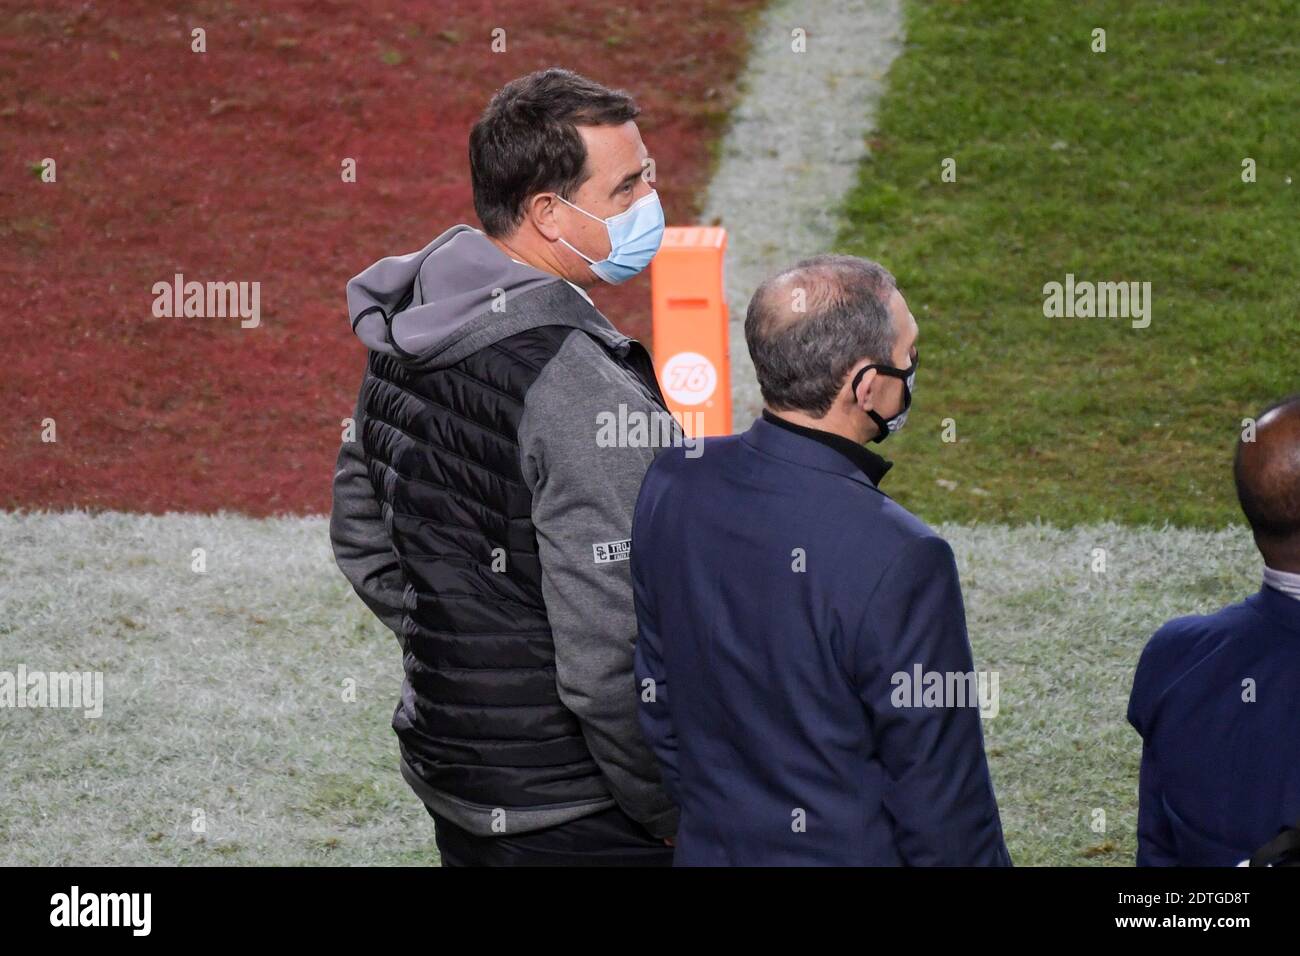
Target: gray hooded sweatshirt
(440,300)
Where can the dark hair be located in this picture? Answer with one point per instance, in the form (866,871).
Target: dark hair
(527,142)
(801,359)
(1269,490)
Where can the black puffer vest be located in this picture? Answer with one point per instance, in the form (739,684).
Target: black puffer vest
(480,717)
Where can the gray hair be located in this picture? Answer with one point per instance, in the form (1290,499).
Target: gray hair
(802,355)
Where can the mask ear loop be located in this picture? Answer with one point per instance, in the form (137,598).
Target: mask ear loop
(880,423)
(585,258)
(857,379)
(579,208)
(904,374)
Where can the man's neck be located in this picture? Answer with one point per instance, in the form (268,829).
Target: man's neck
(525,254)
(1281,555)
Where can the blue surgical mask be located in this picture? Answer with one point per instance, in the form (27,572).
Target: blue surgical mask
(634,237)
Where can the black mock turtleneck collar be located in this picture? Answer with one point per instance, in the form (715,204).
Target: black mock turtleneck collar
(872,465)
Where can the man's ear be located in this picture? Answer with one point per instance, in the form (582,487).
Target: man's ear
(862,396)
(539,209)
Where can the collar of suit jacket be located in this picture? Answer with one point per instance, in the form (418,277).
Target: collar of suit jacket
(859,456)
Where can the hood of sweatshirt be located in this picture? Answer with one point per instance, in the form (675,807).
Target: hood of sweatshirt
(459,294)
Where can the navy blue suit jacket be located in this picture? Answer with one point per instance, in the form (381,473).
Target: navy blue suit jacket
(1220,773)
(777,593)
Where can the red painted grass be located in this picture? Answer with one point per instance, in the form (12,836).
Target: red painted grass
(225,167)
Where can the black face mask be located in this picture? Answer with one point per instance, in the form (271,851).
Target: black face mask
(890,425)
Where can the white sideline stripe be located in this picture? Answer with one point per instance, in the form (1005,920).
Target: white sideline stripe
(89,552)
(793,148)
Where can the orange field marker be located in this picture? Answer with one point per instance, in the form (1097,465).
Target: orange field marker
(690,328)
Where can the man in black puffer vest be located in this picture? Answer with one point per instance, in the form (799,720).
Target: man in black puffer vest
(483,514)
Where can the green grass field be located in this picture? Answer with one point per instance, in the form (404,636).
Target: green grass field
(224,694)
(224,690)
(1123,165)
